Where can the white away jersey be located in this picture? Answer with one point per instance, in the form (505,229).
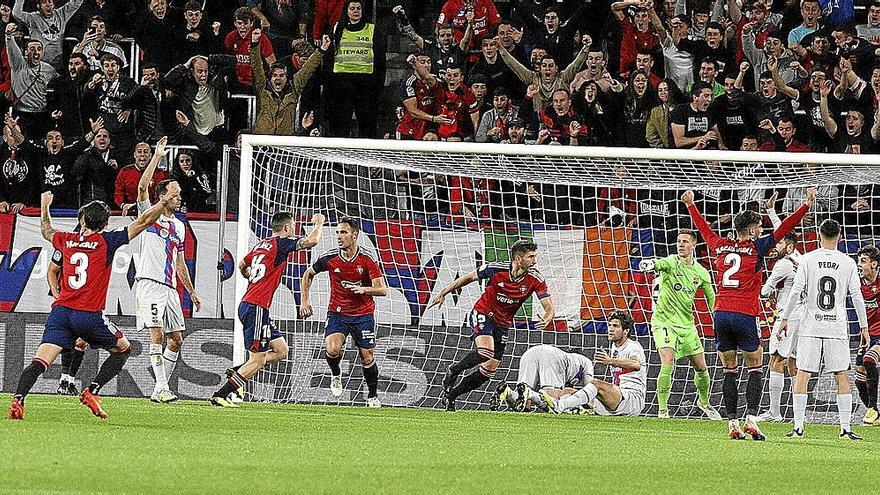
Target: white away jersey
(783,271)
(630,379)
(160,245)
(824,277)
(573,368)
(579,369)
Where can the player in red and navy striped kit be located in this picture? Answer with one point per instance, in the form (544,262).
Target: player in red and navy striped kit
(263,267)
(509,286)
(739,270)
(78,311)
(355,278)
(867,358)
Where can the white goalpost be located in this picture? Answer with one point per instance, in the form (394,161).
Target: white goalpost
(433,211)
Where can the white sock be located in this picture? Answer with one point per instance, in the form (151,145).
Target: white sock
(579,398)
(800,410)
(534,396)
(170,359)
(512,393)
(777,383)
(66,378)
(158,366)
(844,409)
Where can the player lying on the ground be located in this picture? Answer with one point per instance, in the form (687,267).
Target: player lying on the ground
(739,270)
(509,286)
(625,395)
(71,360)
(868,356)
(672,324)
(263,267)
(86,261)
(783,353)
(355,278)
(544,366)
(826,276)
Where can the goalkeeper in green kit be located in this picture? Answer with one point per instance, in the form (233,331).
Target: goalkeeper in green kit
(672,324)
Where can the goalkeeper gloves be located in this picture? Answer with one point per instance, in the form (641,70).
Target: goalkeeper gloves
(646,265)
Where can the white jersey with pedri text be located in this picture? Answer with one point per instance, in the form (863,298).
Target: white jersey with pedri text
(160,244)
(824,278)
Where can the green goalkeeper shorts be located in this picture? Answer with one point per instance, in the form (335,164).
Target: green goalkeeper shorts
(684,341)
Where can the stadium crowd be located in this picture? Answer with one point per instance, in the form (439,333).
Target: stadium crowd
(791,76)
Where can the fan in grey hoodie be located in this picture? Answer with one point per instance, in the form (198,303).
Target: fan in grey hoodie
(47,24)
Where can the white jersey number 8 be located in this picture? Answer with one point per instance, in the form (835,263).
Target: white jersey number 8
(80,262)
(258,269)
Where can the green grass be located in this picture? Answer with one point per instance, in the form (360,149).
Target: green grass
(191,447)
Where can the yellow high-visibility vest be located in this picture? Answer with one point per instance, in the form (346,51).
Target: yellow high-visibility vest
(355,53)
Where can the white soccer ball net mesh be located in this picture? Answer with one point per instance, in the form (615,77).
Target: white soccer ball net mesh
(433,212)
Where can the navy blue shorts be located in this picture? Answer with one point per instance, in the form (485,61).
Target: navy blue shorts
(259,329)
(483,325)
(860,355)
(361,328)
(736,331)
(64,325)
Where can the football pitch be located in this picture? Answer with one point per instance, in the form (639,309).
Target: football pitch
(192,447)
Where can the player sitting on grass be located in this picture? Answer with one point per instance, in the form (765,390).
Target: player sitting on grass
(544,366)
(868,356)
(739,271)
(826,276)
(625,395)
(509,286)
(672,324)
(263,267)
(87,260)
(355,278)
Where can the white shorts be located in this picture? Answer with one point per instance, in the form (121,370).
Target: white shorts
(815,352)
(537,371)
(787,347)
(631,404)
(157,305)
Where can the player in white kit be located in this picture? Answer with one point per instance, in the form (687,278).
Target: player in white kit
(161,264)
(783,353)
(625,395)
(544,366)
(825,276)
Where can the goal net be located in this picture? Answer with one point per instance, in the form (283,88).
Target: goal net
(431,212)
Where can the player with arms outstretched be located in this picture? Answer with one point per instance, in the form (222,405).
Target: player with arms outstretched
(672,324)
(739,269)
(544,367)
(868,356)
(783,353)
(509,286)
(161,264)
(263,266)
(355,278)
(826,276)
(78,312)
(625,394)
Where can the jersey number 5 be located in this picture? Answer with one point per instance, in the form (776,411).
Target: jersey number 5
(80,262)
(733,260)
(258,269)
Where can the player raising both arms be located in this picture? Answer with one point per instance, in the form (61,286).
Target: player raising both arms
(672,323)
(509,286)
(783,353)
(739,268)
(87,261)
(868,356)
(826,276)
(544,366)
(161,264)
(625,395)
(355,278)
(263,267)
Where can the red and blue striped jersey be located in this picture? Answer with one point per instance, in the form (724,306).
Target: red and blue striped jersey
(359,271)
(504,295)
(86,264)
(267,261)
